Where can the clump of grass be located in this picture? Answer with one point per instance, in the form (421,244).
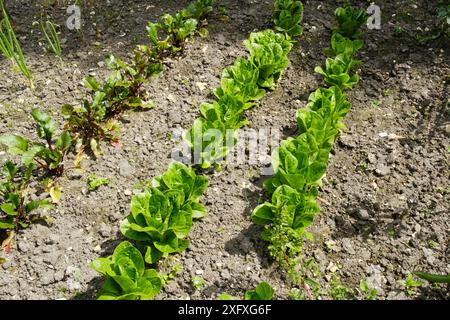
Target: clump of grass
(10,46)
(51,35)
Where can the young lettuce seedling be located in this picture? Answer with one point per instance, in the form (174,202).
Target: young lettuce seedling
(95,182)
(337,71)
(262,292)
(126,276)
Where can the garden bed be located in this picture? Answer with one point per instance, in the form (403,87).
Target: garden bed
(385,200)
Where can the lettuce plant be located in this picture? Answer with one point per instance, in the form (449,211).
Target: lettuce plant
(285,219)
(301,162)
(269,53)
(241,81)
(94,182)
(198,9)
(162,216)
(215,133)
(15,205)
(337,71)
(339,66)
(210,134)
(177,30)
(126,276)
(350,21)
(288,16)
(48,155)
(342,45)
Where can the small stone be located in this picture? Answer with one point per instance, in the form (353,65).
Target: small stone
(348,141)
(417,228)
(447,128)
(393,136)
(73,285)
(171,98)
(59,276)
(199,272)
(71,270)
(372,158)
(375,279)
(382,170)
(225,274)
(332,267)
(363,214)
(125,169)
(97,248)
(201,85)
(348,246)
(331,245)
(128,192)
(24,246)
(47,278)
(383,134)
(429,255)
(104,230)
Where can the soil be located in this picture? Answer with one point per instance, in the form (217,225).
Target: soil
(385,200)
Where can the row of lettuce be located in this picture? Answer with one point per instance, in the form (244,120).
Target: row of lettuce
(244,84)
(300,163)
(162,216)
(43,161)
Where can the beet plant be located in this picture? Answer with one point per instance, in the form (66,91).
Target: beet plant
(48,154)
(177,28)
(15,203)
(95,120)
